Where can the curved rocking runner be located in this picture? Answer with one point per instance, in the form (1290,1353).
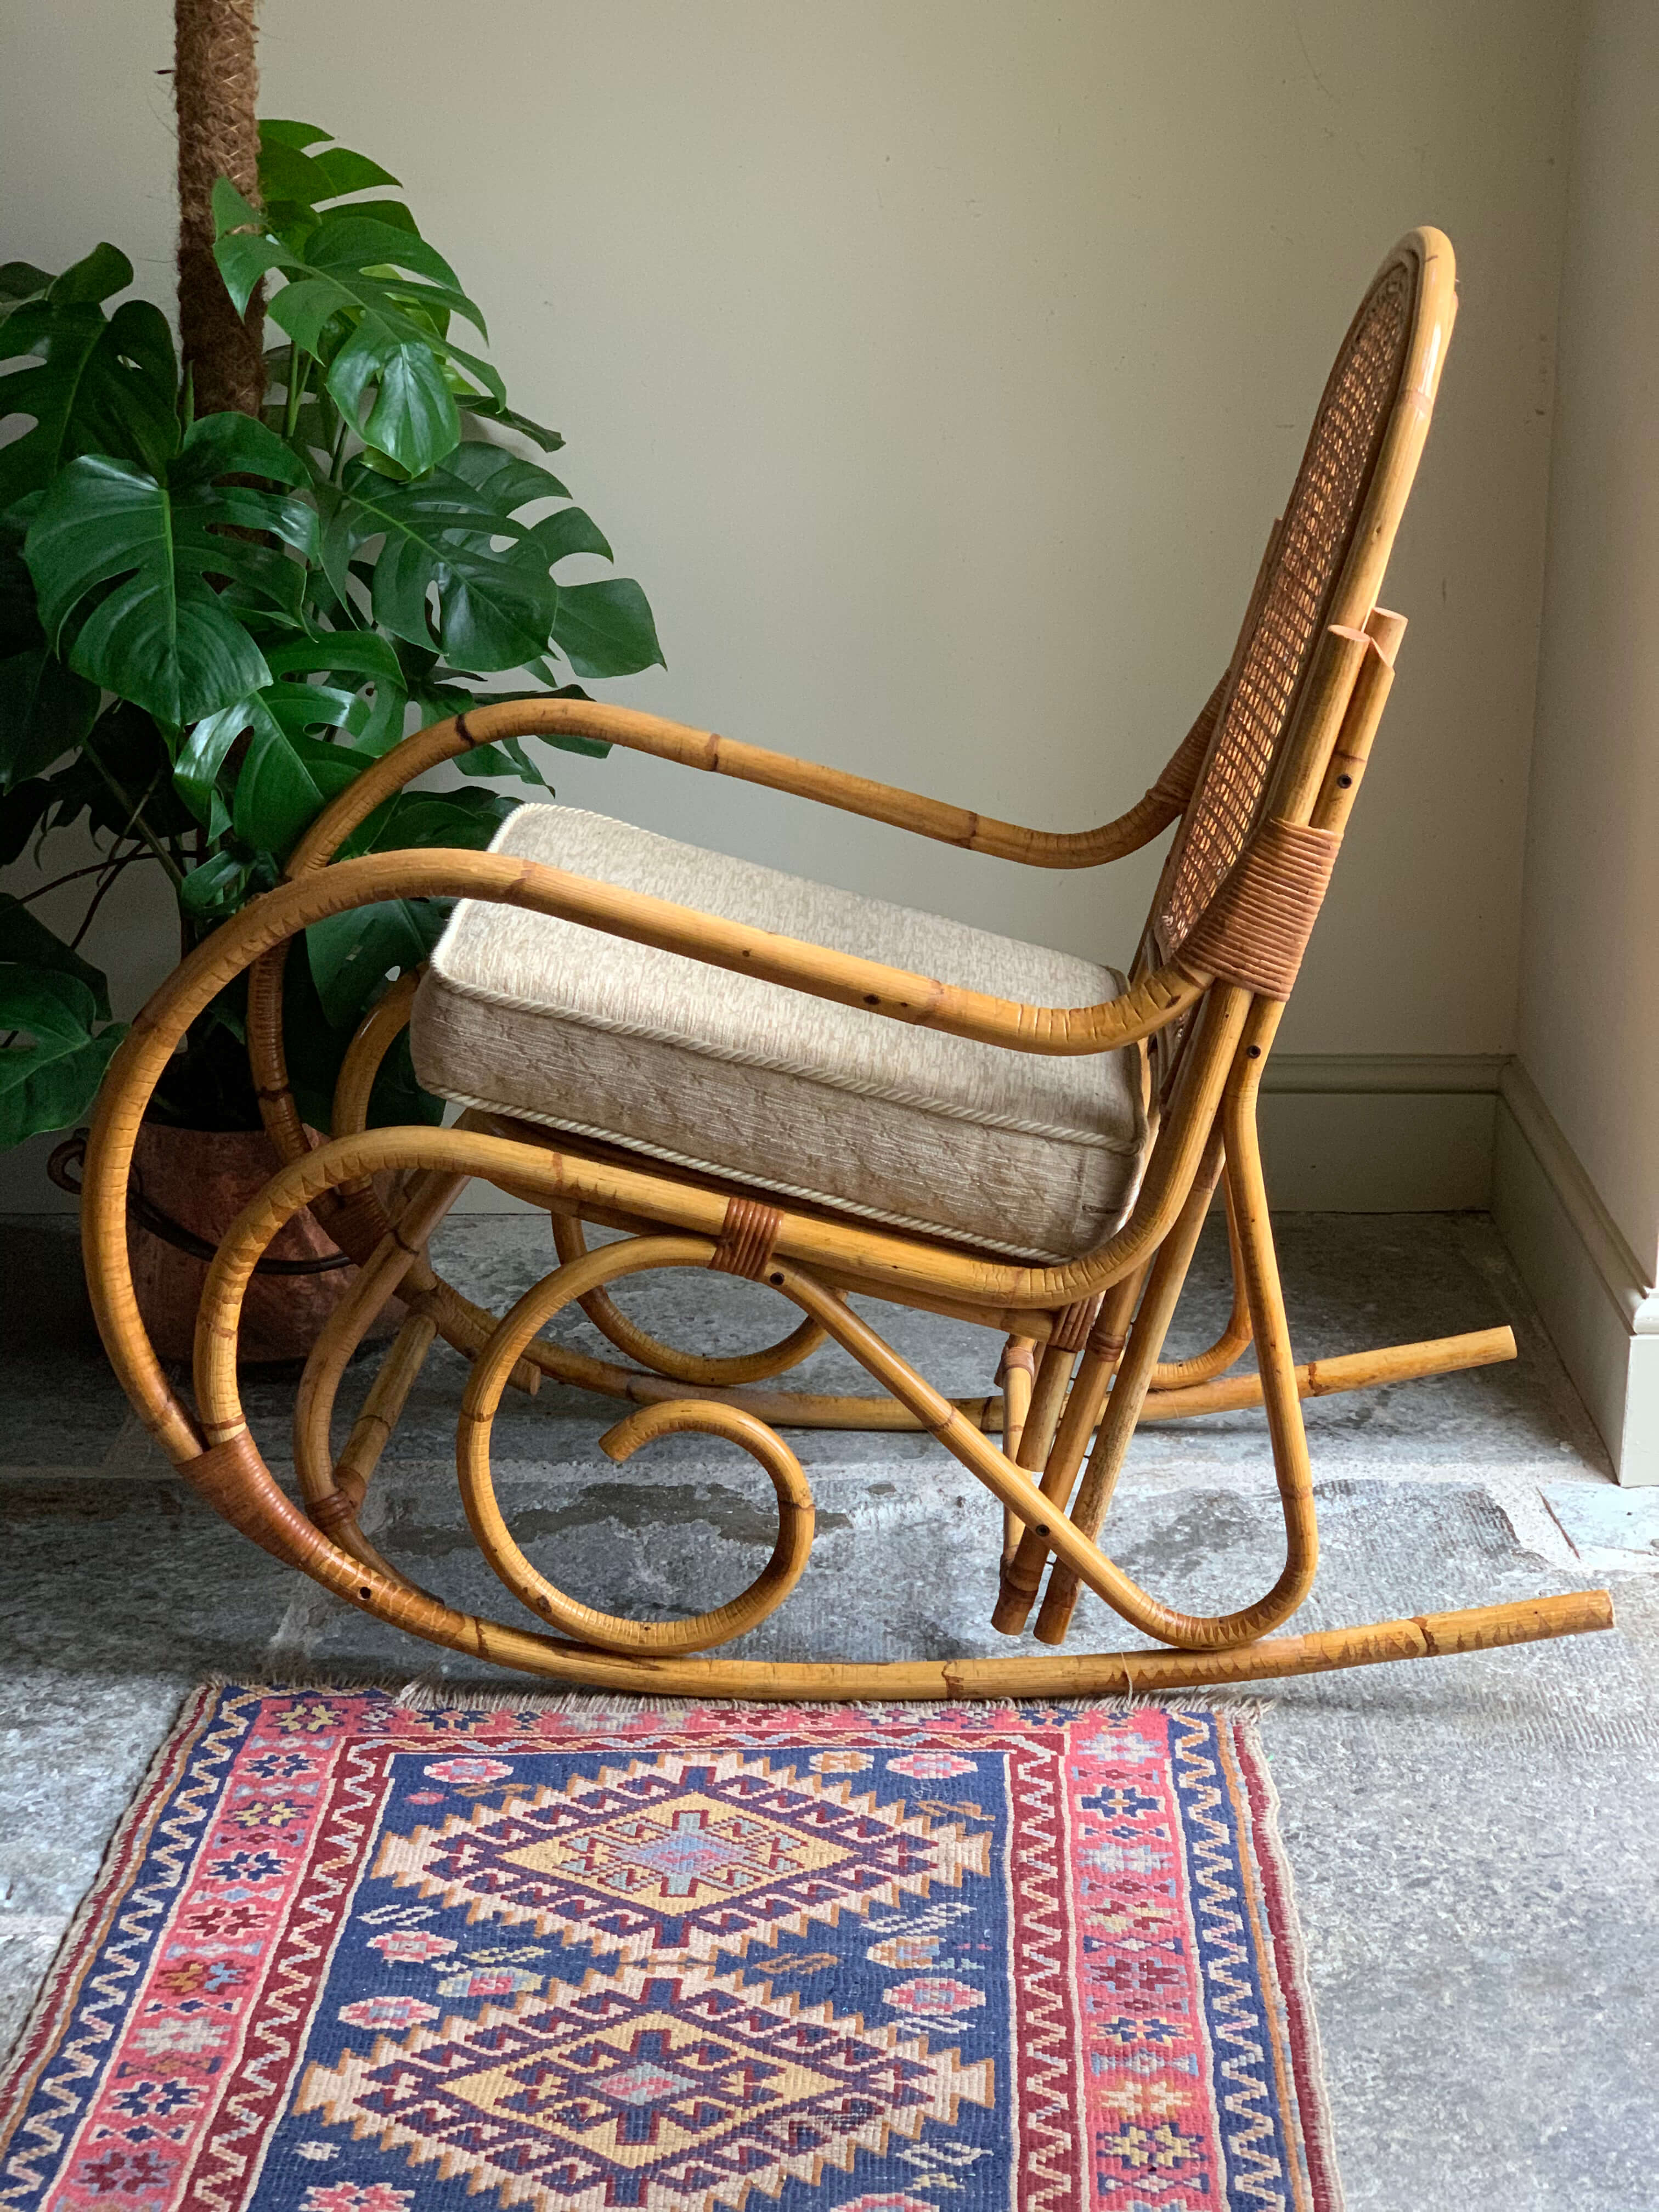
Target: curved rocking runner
(1262,788)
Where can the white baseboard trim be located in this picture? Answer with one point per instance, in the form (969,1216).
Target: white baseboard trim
(1589,1286)
(1373,1133)
(1423,1075)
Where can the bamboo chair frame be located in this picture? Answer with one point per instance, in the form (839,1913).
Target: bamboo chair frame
(1082,1365)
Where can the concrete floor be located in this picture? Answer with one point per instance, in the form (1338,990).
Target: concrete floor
(1473,1839)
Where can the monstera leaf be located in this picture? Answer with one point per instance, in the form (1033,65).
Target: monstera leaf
(289,777)
(58,1008)
(495,609)
(605,629)
(93,383)
(302,172)
(374,301)
(120,559)
(488,409)
(496,606)
(51,1072)
(263,605)
(20,282)
(277,790)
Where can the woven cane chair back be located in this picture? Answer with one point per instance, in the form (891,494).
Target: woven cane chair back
(1332,541)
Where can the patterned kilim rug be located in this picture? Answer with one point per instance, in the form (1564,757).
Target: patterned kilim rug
(351,1953)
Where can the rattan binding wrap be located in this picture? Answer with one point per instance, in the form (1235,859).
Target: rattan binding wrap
(1071,1326)
(747,1239)
(1256,928)
(1292,607)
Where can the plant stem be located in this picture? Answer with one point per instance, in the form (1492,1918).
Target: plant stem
(136,819)
(144,801)
(92,868)
(337,459)
(98,898)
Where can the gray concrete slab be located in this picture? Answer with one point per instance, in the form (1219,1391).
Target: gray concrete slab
(1471,1840)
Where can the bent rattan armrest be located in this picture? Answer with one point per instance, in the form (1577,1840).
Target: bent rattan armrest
(819,969)
(830,787)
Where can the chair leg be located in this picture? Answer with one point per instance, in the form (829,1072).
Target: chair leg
(1023,1565)
(1048,1393)
(1280,1385)
(333,1491)
(1016,1374)
(373,1428)
(1134,1374)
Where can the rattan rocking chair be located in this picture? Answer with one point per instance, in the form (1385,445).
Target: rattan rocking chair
(643,1039)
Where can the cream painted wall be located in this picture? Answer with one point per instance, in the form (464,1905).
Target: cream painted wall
(938,366)
(1589,995)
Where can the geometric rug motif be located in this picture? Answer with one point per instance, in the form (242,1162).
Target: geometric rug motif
(352,1953)
(673,1851)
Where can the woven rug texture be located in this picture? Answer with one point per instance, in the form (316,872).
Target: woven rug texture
(361,1951)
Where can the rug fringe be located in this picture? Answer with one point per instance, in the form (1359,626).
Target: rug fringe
(422,1694)
(1291,1948)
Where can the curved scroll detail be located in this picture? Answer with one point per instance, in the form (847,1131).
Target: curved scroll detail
(455,1152)
(570,1243)
(610,1631)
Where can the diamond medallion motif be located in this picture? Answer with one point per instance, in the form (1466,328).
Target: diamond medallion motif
(643,2089)
(687,1852)
(679,1853)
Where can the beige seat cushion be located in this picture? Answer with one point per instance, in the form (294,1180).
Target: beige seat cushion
(1037,1157)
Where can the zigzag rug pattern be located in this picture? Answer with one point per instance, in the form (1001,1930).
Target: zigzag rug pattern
(354,1953)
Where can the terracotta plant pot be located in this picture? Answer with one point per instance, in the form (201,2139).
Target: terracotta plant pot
(200,1180)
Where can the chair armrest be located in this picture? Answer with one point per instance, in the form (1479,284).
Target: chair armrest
(503,879)
(830,787)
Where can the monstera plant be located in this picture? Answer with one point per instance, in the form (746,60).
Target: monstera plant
(210,625)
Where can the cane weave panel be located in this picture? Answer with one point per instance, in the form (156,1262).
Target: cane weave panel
(1324,507)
